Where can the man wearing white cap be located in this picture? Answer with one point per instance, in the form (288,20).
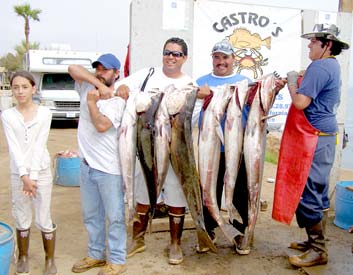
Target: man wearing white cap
(312,123)
(223,58)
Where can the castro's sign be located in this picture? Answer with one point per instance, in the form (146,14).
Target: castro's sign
(265,40)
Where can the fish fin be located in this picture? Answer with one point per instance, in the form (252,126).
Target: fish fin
(268,117)
(219,132)
(234,214)
(169,132)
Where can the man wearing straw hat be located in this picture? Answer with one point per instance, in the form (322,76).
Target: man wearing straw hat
(311,122)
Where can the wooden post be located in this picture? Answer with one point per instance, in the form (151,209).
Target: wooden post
(346,6)
(344,22)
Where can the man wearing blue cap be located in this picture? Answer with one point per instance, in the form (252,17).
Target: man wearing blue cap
(102,193)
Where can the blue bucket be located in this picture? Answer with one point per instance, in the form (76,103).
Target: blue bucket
(7,246)
(67,172)
(344,205)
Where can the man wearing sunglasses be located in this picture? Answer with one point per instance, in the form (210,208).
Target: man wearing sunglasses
(174,55)
(311,123)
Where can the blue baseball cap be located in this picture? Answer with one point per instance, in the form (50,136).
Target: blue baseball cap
(108,61)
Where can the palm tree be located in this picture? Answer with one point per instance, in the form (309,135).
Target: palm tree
(27,13)
(21,48)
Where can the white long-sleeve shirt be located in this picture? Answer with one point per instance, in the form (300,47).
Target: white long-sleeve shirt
(27,141)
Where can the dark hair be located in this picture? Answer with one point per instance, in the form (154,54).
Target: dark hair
(180,42)
(115,70)
(336,47)
(24,74)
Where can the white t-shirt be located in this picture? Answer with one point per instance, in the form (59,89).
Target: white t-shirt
(158,80)
(100,150)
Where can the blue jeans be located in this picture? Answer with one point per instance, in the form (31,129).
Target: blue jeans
(102,197)
(315,196)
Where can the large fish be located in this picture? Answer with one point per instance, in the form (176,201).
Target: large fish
(162,139)
(210,138)
(145,140)
(183,159)
(127,150)
(254,152)
(233,144)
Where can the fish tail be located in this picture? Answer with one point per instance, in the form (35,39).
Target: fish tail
(268,42)
(205,240)
(242,243)
(230,232)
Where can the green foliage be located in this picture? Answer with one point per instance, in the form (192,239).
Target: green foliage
(271,157)
(21,48)
(13,62)
(26,12)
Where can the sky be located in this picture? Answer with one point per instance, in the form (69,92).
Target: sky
(101,26)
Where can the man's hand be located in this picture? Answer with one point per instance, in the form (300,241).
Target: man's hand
(93,96)
(105,92)
(292,79)
(123,91)
(279,84)
(203,92)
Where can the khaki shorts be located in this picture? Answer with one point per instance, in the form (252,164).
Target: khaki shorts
(172,194)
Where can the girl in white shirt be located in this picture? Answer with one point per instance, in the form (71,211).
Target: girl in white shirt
(26,127)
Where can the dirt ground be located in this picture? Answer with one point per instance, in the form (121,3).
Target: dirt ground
(268,255)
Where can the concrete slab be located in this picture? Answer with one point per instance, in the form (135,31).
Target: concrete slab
(340,262)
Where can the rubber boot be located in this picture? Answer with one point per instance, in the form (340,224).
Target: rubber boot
(49,249)
(22,267)
(317,252)
(139,228)
(304,245)
(324,222)
(176,223)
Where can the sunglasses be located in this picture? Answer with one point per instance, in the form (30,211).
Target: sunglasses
(173,53)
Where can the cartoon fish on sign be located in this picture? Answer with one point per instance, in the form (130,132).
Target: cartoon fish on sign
(242,38)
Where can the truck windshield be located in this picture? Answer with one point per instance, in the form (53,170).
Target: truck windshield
(57,81)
